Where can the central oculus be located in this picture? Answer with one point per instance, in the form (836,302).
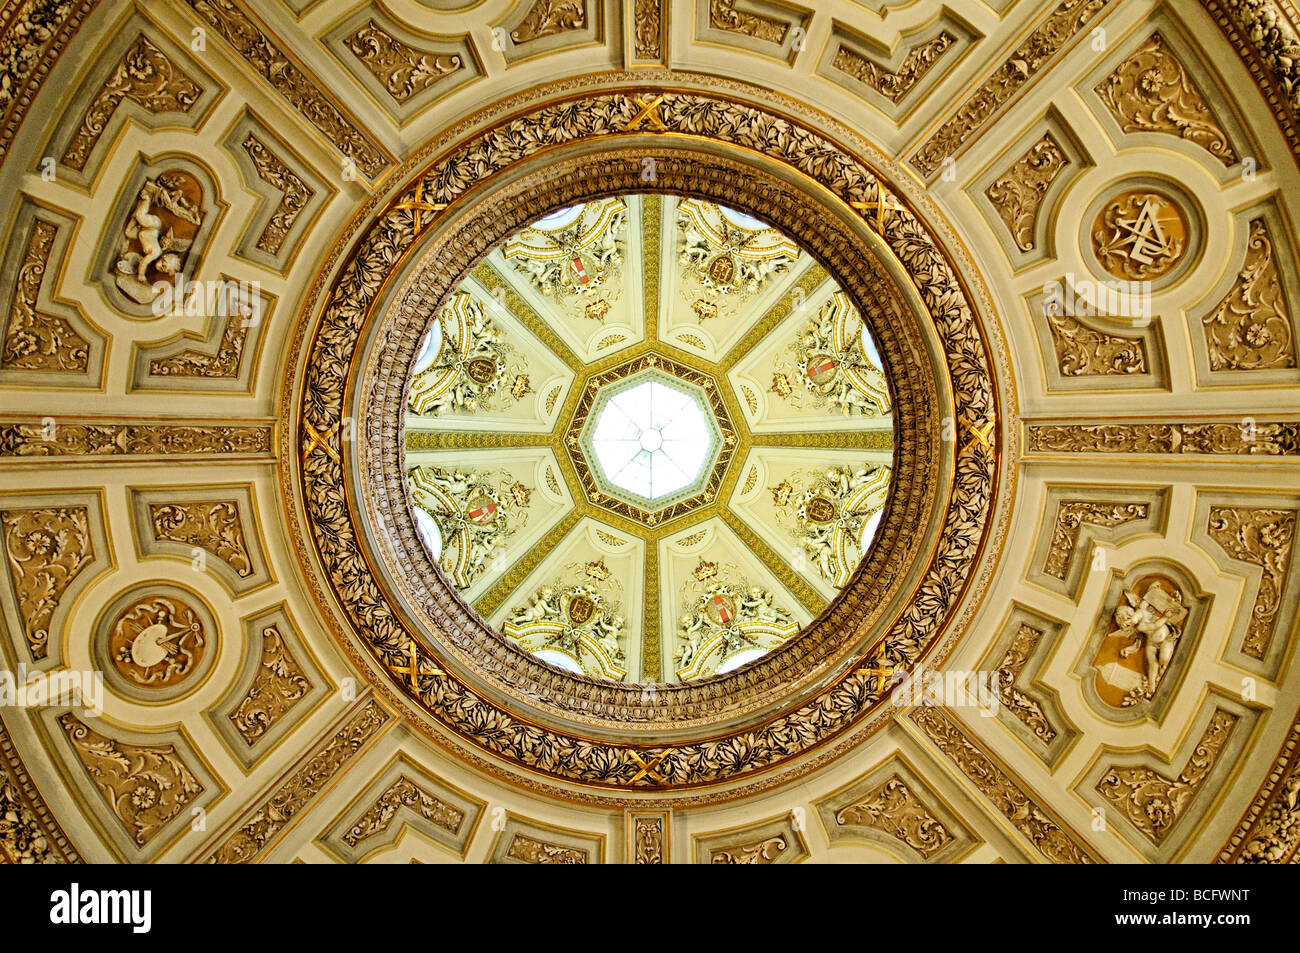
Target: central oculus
(652,436)
(648,439)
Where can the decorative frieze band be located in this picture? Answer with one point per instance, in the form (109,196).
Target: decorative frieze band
(29,834)
(1018,806)
(32,35)
(1269,833)
(1249,437)
(1265,35)
(1066,21)
(97,439)
(260,824)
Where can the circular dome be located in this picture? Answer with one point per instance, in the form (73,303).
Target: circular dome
(655,438)
(558,622)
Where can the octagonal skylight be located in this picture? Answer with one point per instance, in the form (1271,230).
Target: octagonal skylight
(652,440)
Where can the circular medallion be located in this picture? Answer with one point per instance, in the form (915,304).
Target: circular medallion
(721,609)
(482,511)
(820,510)
(722,270)
(481,370)
(821,369)
(1140,235)
(156,643)
(581,609)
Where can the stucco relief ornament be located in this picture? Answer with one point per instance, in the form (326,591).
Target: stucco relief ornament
(1152,91)
(831,360)
(468,366)
(1152,620)
(1251,327)
(724,620)
(547,17)
(581,255)
(158,234)
(597,571)
(1139,235)
(832,517)
(764,852)
(157,642)
(578,621)
(145,786)
(403,70)
(895,84)
(47,548)
(475,513)
(723,253)
(1018,193)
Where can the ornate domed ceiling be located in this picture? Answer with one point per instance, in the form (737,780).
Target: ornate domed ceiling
(649,438)
(563,431)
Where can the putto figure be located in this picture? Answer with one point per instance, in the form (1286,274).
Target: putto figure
(578,623)
(1153,620)
(158,235)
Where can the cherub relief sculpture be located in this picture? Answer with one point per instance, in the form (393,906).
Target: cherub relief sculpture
(830,358)
(476,513)
(578,621)
(724,253)
(474,369)
(1153,620)
(158,234)
(1145,628)
(827,513)
(724,617)
(580,257)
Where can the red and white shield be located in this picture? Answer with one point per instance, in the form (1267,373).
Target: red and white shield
(579,269)
(821,369)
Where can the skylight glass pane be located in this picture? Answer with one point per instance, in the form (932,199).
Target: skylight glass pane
(743,220)
(869,530)
(742,657)
(651,440)
(560,218)
(430,344)
(559,660)
(429,533)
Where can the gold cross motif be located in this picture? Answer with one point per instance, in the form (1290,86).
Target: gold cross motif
(978,435)
(413,670)
(420,205)
(647,768)
(316,441)
(649,113)
(881,205)
(884,674)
